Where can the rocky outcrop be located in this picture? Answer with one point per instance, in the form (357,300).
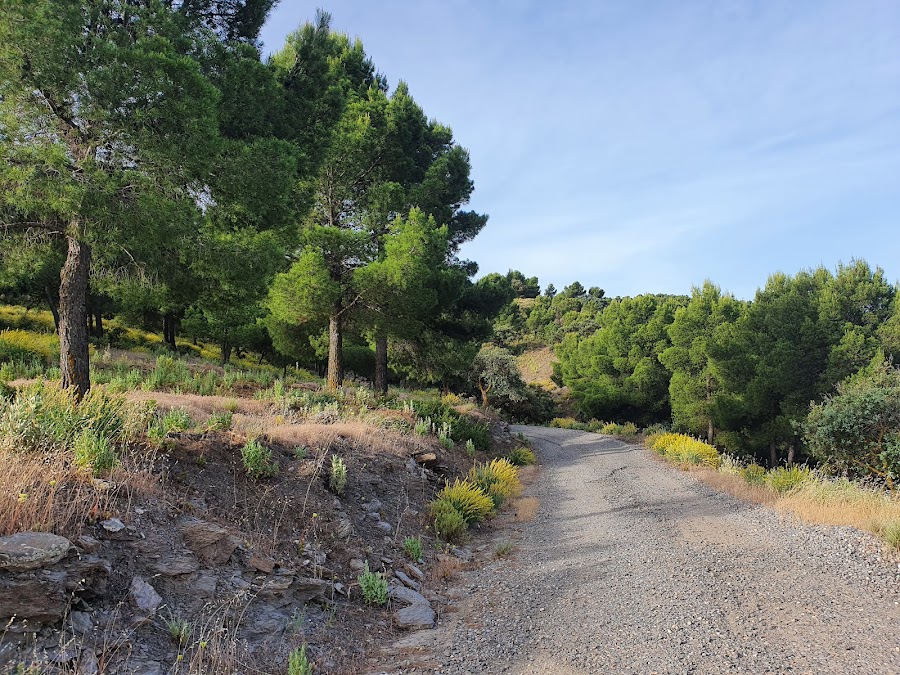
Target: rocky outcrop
(31,550)
(413,611)
(212,543)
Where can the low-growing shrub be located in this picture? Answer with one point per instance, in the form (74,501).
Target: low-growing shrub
(298,663)
(467,429)
(169,373)
(890,532)
(449,524)
(412,546)
(521,457)
(614,429)
(92,450)
(470,447)
(337,480)
(24,346)
(373,586)
(222,421)
(568,423)
(683,449)
(257,460)
(176,420)
(179,630)
(785,478)
(498,479)
(754,474)
(468,499)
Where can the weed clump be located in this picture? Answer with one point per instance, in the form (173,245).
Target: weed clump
(257,460)
(373,586)
(449,524)
(783,479)
(298,662)
(412,546)
(93,451)
(337,480)
(521,457)
(468,499)
(683,449)
(498,479)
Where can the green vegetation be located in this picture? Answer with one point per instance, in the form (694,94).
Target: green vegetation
(337,479)
(498,479)
(374,587)
(257,459)
(521,457)
(412,546)
(298,663)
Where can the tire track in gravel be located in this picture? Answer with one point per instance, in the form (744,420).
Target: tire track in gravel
(635,567)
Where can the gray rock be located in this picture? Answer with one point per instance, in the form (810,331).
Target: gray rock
(463,554)
(357,565)
(406,595)
(343,528)
(145,668)
(407,581)
(372,506)
(88,663)
(415,572)
(31,550)
(88,544)
(177,565)
(204,586)
(113,525)
(143,597)
(82,623)
(384,527)
(415,617)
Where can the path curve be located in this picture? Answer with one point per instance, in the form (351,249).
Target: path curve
(635,567)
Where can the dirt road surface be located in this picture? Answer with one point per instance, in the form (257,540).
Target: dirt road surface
(632,566)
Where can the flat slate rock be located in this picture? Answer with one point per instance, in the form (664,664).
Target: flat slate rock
(25,551)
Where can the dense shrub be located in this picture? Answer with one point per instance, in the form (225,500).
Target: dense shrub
(449,524)
(374,587)
(337,479)
(754,474)
(468,499)
(785,478)
(25,346)
(685,450)
(498,479)
(257,460)
(93,450)
(568,423)
(521,457)
(613,429)
(467,429)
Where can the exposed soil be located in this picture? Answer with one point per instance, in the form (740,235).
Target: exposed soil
(632,566)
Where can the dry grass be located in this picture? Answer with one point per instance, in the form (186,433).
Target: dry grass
(526,509)
(445,568)
(48,493)
(840,503)
(536,366)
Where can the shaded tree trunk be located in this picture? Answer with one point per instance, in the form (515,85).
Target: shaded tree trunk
(54,306)
(381,363)
(98,321)
(790,458)
(710,431)
(74,356)
(335,348)
(169,331)
(773,455)
(226,348)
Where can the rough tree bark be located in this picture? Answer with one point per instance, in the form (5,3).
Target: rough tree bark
(74,356)
(169,332)
(381,363)
(54,306)
(335,348)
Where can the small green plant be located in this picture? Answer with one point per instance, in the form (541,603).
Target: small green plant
(337,481)
(179,630)
(220,421)
(94,451)
(412,546)
(449,524)
(521,457)
(890,532)
(503,549)
(754,474)
(468,499)
(301,452)
(258,460)
(298,663)
(231,405)
(176,420)
(423,427)
(374,587)
(783,479)
(470,447)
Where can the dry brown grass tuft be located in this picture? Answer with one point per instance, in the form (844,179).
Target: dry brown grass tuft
(526,509)
(445,568)
(48,493)
(736,486)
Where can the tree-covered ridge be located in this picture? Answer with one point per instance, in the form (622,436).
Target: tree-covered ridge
(740,373)
(158,169)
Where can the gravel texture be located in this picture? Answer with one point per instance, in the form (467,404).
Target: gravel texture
(632,566)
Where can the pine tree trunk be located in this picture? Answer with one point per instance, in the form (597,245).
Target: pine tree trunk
(335,349)
(710,431)
(74,356)
(773,455)
(381,363)
(226,348)
(790,459)
(98,321)
(169,332)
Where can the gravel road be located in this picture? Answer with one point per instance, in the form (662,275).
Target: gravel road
(632,566)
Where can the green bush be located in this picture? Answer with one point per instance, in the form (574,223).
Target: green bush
(373,586)
(498,479)
(337,480)
(93,451)
(27,346)
(466,429)
(257,460)
(521,457)
(785,478)
(412,546)
(176,420)
(169,373)
(449,523)
(436,409)
(220,421)
(754,474)
(468,499)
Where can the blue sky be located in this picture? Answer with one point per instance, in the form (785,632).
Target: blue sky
(644,146)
